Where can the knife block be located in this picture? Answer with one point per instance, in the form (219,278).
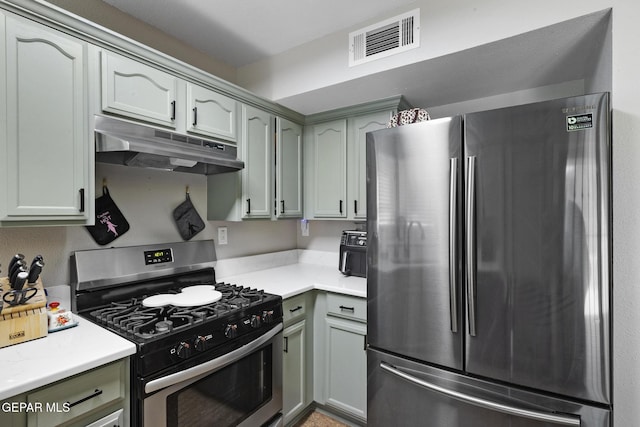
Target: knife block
(23,322)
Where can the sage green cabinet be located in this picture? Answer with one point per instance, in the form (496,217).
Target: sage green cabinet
(288,169)
(346,366)
(336,161)
(340,367)
(46,154)
(136,90)
(298,356)
(98,397)
(329,168)
(270,185)
(357,160)
(256,152)
(210,113)
(142,92)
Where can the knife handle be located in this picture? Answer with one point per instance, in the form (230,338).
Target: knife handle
(13,261)
(21,279)
(34,272)
(17,267)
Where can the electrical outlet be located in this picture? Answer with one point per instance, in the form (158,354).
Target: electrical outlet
(223,237)
(304,228)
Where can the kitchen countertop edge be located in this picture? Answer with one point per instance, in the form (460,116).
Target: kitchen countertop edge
(58,356)
(294,279)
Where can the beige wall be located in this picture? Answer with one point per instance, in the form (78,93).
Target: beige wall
(113,19)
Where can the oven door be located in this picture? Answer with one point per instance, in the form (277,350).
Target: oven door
(240,388)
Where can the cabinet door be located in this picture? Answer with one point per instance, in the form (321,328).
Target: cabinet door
(357,158)
(288,169)
(138,91)
(346,366)
(45,143)
(330,165)
(257,140)
(294,368)
(210,113)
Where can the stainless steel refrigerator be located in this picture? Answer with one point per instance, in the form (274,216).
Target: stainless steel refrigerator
(489,268)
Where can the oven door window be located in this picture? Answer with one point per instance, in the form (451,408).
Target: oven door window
(226,397)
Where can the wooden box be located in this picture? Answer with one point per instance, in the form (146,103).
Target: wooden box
(23,322)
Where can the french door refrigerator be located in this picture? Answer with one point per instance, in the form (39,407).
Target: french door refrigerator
(489,257)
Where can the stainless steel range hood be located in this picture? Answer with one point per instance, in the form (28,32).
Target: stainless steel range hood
(125,143)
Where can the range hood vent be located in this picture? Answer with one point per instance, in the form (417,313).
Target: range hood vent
(131,144)
(394,35)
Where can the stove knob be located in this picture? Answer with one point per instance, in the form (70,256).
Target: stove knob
(183,350)
(231,331)
(202,342)
(256,321)
(267,316)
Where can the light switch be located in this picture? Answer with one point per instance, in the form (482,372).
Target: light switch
(223,237)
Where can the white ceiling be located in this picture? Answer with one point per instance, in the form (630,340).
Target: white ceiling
(241,32)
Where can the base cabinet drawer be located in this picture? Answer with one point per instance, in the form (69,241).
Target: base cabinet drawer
(72,399)
(347,306)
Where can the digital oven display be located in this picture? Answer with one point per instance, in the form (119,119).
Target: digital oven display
(158,256)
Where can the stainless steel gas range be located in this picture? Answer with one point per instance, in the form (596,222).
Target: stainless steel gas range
(208,353)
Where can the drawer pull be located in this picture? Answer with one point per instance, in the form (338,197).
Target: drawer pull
(293,310)
(97,392)
(345,308)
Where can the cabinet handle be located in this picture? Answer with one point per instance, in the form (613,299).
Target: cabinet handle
(282,206)
(97,392)
(173,110)
(355,207)
(81,199)
(345,308)
(340,207)
(248,206)
(365,343)
(293,310)
(195,116)
(286,344)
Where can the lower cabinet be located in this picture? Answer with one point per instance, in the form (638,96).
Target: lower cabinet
(346,366)
(325,357)
(95,398)
(340,357)
(294,367)
(298,356)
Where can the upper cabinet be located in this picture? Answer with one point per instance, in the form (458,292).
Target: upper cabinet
(210,113)
(357,156)
(271,148)
(139,91)
(256,151)
(329,180)
(335,159)
(288,169)
(46,156)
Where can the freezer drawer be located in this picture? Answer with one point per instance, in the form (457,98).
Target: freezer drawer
(405,393)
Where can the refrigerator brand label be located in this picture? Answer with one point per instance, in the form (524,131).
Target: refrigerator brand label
(579,122)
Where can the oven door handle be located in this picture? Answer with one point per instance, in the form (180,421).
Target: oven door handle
(212,365)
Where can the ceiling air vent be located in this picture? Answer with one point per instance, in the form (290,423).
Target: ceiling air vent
(385,38)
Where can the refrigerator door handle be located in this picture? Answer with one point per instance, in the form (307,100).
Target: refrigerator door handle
(484,403)
(471,244)
(453,239)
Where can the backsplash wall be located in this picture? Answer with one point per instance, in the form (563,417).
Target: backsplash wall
(147,198)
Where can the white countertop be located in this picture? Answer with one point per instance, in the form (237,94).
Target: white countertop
(59,355)
(294,279)
(68,352)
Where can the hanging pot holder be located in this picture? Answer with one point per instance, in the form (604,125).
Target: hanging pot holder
(187,219)
(110,223)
